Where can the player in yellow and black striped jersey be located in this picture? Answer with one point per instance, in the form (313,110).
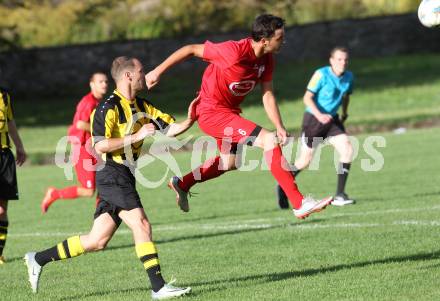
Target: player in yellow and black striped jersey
(119,126)
(8,178)
(117,116)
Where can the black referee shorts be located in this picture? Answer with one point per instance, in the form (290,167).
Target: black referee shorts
(8,175)
(116,187)
(314,132)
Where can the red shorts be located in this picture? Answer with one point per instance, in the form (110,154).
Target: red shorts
(85,167)
(228,128)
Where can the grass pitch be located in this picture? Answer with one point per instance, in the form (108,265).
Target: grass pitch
(235,244)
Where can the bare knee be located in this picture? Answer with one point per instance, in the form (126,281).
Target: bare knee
(266,140)
(89,192)
(304,160)
(3,209)
(86,192)
(346,153)
(140,226)
(270,140)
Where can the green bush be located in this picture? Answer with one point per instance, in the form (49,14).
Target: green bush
(29,23)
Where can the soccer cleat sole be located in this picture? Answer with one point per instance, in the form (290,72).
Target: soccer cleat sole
(186,292)
(178,201)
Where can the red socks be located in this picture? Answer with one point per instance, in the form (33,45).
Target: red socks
(208,170)
(66,193)
(280,170)
(277,164)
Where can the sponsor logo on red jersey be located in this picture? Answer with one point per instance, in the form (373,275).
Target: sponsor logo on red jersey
(242,88)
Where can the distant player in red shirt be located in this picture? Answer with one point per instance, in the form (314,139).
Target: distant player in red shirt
(235,68)
(79,132)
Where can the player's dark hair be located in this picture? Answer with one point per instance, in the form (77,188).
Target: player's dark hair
(265,25)
(120,64)
(338,48)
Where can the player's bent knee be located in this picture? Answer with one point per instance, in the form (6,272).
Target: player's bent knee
(303,163)
(140,225)
(347,153)
(266,139)
(89,192)
(270,139)
(304,160)
(93,244)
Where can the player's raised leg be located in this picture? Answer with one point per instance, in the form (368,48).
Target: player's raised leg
(301,162)
(72,192)
(102,231)
(280,169)
(210,169)
(86,178)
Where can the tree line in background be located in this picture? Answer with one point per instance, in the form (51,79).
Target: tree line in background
(36,23)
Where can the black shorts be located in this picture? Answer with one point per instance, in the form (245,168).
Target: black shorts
(314,132)
(8,176)
(116,187)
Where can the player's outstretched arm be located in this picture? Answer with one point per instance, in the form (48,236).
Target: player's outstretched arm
(152,78)
(21,154)
(273,112)
(112,144)
(178,128)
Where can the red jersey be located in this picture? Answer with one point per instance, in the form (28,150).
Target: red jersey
(233,72)
(83,111)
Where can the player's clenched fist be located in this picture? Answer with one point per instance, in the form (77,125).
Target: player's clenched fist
(152,79)
(145,131)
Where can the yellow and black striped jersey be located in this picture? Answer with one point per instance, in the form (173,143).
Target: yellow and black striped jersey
(117,117)
(6,115)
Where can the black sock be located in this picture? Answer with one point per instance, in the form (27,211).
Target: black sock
(343,171)
(47,255)
(69,248)
(3,235)
(147,253)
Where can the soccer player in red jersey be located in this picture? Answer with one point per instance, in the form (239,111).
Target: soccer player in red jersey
(235,68)
(79,133)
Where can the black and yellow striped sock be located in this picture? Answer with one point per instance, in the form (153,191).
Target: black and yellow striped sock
(147,253)
(69,248)
(3,235)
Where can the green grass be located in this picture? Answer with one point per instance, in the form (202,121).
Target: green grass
(235,244)
(388,92)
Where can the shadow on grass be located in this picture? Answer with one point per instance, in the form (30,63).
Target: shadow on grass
(218,234)
(145,289)
(427,194)
(223,284)
(13,259)
(216,216)
(370,199)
